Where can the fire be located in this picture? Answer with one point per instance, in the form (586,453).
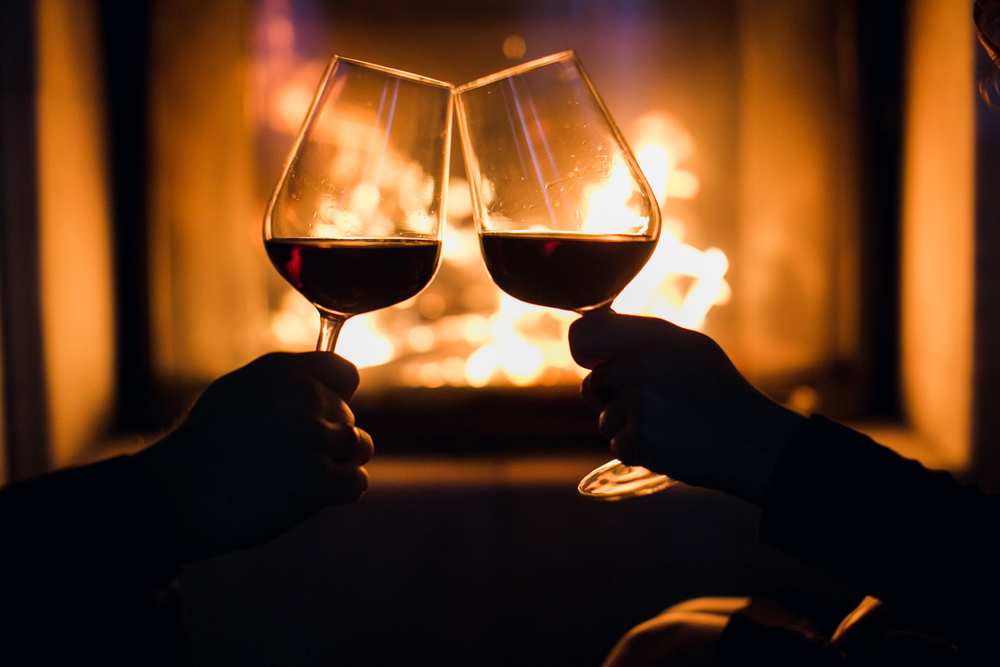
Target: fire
(608,204)
(519,347)
(500,340)
(296,325)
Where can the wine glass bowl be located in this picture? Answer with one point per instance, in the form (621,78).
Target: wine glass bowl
(565,216)
(577,272)
(356,219)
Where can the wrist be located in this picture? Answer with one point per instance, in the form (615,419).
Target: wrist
(174,477)
(775,435)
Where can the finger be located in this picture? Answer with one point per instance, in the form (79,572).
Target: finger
(365,449)
(346,443)
(347,482)
(596,389)
(333,371)
(613,418)
(623,445)
(605,335)
(343,442)
(633,370)
(333,407)
(590,396)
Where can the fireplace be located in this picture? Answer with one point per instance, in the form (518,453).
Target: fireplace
(753,127)
(778,138)
(833,153)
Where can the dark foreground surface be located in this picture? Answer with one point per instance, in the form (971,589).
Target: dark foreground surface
(507,566)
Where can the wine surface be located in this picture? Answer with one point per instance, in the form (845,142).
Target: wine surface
(354,276)
(570,271)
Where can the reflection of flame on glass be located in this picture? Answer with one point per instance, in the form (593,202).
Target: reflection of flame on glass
(608,205)
(363,193)
(659,291)
(487,337)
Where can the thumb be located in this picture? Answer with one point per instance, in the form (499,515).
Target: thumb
(605,335)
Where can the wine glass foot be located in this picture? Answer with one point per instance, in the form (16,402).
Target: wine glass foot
(615,481)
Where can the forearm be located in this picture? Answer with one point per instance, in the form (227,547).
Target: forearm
(882,523)
(104,527)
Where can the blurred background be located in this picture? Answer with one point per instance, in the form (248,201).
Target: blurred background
(827,180)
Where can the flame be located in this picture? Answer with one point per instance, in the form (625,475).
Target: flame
(519,347)
(515,342)
(656,292)
(296,326)
(609,205)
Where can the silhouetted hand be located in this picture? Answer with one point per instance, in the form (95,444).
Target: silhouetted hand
(672,401)
(264,448)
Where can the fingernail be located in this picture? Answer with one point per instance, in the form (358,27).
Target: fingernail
(347,450)
(357,439)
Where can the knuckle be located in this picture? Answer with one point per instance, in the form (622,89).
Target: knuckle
(336,410)
(350,371)
(366,447)
(345,439)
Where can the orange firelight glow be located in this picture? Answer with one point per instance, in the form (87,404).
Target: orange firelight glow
(514,342)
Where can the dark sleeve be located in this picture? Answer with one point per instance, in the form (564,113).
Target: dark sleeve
(105,527)
(86,560)
(884,524)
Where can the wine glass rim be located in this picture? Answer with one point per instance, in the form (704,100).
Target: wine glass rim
(402,74)
(519,69)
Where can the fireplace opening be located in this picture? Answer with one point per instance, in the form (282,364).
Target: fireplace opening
(842,294)
(772,136)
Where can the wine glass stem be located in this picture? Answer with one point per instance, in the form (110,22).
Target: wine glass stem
(606,308)
(329,330)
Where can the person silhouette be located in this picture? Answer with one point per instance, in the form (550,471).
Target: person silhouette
(921,546)
(919,543)
(89,553)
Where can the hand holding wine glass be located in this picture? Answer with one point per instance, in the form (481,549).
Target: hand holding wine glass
(565,217)
(264,447)
(356,220)
(670,398)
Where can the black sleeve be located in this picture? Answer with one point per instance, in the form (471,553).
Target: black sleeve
(106,525)
(83,553)
(912,537)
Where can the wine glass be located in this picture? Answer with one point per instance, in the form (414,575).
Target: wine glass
(565,216)
(356,220)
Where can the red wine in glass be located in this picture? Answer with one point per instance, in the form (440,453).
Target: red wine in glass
(578,272)
(354,276)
